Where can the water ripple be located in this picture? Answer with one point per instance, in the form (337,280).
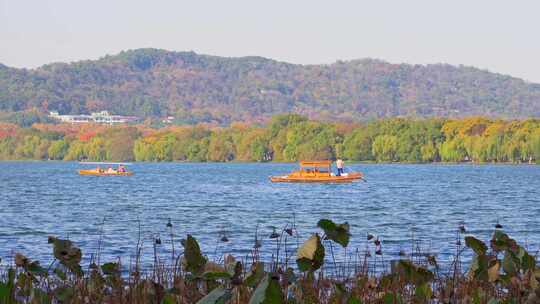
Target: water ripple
(399,203)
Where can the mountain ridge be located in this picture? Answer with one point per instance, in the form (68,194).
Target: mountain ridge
(205,88)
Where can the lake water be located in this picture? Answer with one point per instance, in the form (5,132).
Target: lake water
(398,203)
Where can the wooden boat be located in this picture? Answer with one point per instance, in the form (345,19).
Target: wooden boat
(104,172)
(316,172)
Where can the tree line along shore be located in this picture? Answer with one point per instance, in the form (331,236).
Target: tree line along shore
(286,138)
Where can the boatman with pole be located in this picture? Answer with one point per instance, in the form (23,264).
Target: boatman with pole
(339,165)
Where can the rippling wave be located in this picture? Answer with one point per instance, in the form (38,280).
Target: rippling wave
(399,203)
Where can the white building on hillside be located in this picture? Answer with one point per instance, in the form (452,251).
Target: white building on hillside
(102,117)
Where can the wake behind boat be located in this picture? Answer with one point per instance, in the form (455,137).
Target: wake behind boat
(120,170)
(316,172)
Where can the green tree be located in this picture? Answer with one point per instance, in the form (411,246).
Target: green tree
(198,151)
(453,151)
(96,149)
(76,151)
(58,149)
(120,143)
(252,145)
(31,147)
(142,150)
(385,148)
(186,139)
(7,148)
(535,146)
(310,140)
(278,145)
(163,148)
(429,152)
(221,147)
(357,145)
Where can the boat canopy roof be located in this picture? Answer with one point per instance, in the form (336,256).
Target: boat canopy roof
(320,163)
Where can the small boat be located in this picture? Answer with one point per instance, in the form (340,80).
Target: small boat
(98,171)
(316,172)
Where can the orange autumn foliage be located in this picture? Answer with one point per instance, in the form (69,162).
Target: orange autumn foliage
(7,129)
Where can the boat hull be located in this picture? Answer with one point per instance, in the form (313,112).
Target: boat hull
(316,179)
(96,173)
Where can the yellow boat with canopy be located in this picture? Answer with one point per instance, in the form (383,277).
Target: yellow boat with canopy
(106,170)
(316,172)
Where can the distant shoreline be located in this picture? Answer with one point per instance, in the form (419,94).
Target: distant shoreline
(287,138)
(278,162)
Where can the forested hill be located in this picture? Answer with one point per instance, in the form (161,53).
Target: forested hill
(199,88)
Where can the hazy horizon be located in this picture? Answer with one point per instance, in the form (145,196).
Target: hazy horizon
(493,35)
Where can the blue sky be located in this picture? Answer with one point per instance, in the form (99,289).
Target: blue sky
(501,36)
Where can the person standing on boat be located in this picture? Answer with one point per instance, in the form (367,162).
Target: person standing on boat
(339,165)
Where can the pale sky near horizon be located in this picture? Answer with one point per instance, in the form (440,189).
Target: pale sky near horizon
(501,36)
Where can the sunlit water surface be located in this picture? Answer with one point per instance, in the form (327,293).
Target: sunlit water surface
(399,203)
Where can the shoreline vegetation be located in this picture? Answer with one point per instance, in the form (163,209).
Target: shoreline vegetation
(320,268)
(286,138)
